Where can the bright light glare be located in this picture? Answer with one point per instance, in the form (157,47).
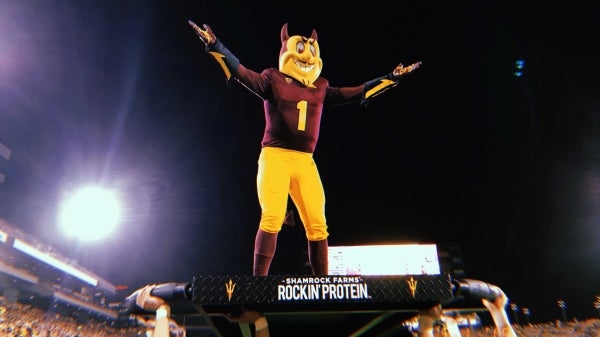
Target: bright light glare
(402,259)
(90,214)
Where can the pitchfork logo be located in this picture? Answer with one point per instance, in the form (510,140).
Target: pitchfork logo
(412,285)
(229,287)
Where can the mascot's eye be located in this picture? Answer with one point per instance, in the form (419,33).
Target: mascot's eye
(312,50)
(300,47)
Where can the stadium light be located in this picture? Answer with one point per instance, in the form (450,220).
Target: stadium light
(54,262)
(527,314)
(90,214)
(515,309)
(563,307)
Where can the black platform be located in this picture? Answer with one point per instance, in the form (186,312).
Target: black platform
(345,306)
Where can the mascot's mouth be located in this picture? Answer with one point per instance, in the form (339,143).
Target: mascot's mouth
(304,66)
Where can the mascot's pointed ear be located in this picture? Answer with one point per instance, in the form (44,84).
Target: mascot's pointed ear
(314,35)
(284,33)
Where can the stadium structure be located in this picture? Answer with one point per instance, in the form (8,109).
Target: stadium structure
(360,298)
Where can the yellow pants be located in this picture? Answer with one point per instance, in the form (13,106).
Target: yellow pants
(284,172)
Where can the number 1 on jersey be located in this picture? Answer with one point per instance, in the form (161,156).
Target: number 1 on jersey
(302,105)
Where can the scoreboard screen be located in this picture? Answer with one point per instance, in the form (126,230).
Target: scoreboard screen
(400,259)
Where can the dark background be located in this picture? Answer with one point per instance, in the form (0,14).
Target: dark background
(461,153)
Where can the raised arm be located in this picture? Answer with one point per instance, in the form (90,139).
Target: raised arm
(228,62)
(206,35)
(497,309)
(147,301)
(383,83)
(401,70)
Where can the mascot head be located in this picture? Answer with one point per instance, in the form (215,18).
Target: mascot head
(300,57)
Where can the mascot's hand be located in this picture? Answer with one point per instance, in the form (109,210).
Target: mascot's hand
(401,70)
(206,35)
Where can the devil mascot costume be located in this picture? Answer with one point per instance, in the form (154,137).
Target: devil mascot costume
(293,99)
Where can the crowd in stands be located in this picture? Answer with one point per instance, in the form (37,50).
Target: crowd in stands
(46,275)
(585,328)
(26,320)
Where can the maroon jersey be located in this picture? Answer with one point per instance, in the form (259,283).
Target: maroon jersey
(292,110)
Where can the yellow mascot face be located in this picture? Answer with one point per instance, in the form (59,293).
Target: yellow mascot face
(300,57)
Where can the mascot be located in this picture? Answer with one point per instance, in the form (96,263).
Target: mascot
(294,96)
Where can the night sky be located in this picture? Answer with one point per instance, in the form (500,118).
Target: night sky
(461,153)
